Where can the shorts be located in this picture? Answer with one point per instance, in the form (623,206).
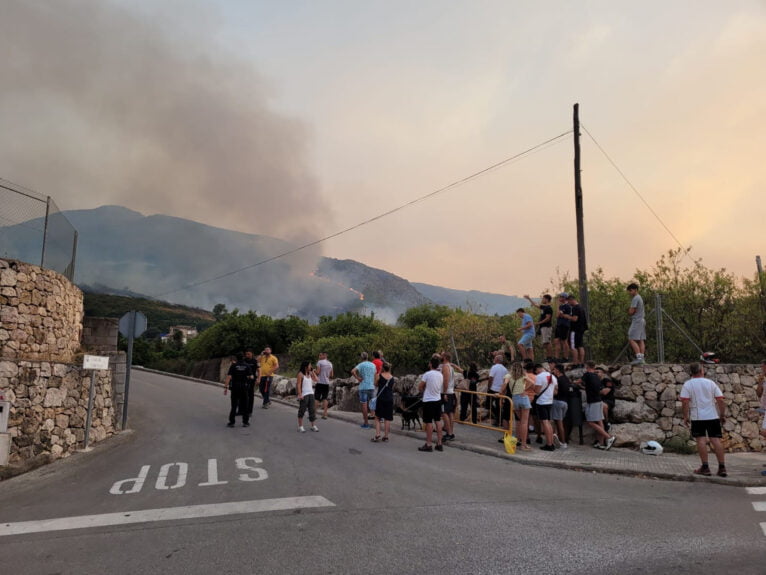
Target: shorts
(321,391)
(526,340)
(544,412)
(576,339)
(450,403)
(559,410)
(545,334)
(637,330)
(562,332)
(366,395)
(521,401)
(594,412)
(709,427)
(432,411)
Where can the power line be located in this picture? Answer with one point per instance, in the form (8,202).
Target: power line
(454,184)
(632,187)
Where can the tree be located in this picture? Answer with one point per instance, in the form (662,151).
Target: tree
(219,311)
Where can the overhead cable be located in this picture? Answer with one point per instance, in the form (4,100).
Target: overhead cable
(454,184)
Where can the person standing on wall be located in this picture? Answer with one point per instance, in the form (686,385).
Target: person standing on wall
(637,330)
(545,324)
(269,366)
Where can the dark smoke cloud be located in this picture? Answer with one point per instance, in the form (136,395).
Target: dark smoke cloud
(103,105)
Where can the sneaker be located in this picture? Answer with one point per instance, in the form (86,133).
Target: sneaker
(610,442)
(314,428)
(366,426)
(637,361)
(547,448)
(324,417)
(703,470)
(597,443)
(246,424)
(301,429)
(564,445)
(539,439)
(439,447)
(722,471)
(599,446)
(426,448)
(556,441)
(230,424)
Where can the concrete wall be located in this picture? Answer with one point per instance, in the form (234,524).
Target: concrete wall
(40,314)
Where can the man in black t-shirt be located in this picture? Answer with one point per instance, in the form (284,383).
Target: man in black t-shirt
(578,325)
(563,318)
(594,413)
(545,323)
(238,378)
(253,363)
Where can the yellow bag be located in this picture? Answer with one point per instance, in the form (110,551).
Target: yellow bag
(510,443)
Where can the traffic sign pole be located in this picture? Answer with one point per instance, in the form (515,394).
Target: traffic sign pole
(131,330)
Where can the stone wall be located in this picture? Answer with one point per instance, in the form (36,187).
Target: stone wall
(40,314)
(646,407)
(49,404)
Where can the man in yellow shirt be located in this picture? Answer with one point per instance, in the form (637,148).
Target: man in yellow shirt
(269,366)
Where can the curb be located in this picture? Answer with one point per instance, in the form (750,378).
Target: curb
(481,450)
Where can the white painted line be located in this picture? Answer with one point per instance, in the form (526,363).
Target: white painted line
(756,490)
(763,526)
(166,514)
(759,505)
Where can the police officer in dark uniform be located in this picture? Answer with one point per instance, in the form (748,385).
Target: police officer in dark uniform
(239,377)
(251,360)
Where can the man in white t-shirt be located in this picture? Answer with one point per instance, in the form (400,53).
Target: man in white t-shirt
(702,402)
(432,387)
(546,385)
(497,374)
(324,374)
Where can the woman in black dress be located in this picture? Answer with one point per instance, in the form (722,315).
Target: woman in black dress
(384,404)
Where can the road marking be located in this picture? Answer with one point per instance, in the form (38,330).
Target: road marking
(756,490)
(759,505)
(166,514)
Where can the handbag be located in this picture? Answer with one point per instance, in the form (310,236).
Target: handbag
(374,401)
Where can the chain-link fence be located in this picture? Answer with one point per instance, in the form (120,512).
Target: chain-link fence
(33,229)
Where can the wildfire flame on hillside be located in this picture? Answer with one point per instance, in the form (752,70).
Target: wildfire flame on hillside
(360,294)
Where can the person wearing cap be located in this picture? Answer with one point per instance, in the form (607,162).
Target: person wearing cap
(637,330)
(563,319)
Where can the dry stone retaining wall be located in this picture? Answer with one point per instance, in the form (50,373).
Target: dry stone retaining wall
(40,314)
(49,404)
(646,407)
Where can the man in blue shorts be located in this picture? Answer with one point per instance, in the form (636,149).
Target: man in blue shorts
(364,373)
(527,330)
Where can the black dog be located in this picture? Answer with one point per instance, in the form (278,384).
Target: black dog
(409,409)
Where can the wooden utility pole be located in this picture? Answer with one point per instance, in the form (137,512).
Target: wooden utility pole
(583,274)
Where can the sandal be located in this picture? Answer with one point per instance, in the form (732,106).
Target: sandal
(722,472)
(375,439)
(703,471)
(525,448)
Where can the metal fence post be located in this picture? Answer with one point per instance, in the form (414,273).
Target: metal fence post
(660,335)
(45,230)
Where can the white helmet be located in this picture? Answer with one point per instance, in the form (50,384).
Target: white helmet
(651,448)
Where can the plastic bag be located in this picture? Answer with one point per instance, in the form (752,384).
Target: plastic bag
(510,443)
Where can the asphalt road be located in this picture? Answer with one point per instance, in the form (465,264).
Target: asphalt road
(333,502)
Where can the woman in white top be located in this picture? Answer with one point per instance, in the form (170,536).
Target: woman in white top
(304,387)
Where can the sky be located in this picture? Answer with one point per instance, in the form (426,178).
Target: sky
(299,119)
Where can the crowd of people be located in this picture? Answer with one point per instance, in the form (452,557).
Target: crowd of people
(545,401)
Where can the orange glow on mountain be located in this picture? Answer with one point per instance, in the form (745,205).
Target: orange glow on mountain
(360,294)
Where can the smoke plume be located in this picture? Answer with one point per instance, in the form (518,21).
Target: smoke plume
(102,104)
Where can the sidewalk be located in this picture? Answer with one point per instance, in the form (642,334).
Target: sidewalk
(744,468)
